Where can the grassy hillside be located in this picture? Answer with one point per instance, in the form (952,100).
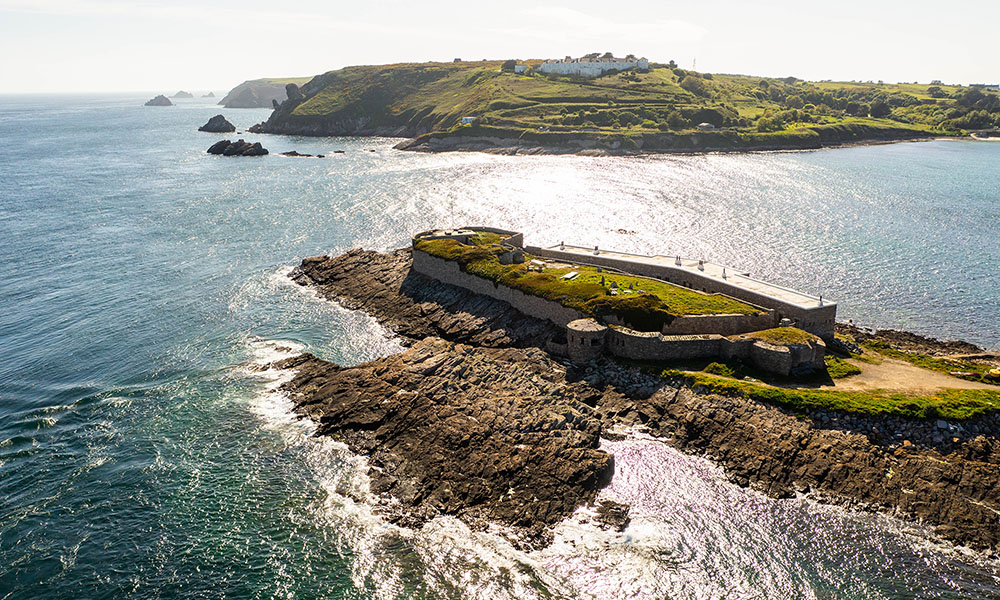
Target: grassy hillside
(414,99)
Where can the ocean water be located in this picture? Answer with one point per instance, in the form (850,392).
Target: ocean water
(142,455)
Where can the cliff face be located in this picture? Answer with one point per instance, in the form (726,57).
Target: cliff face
(258,93)
(488,431)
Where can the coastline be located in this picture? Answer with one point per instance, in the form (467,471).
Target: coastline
(517,148)
(941,473)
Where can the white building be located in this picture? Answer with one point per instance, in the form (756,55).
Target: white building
(592,67)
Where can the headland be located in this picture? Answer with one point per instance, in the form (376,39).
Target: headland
(615,106)
(494,412)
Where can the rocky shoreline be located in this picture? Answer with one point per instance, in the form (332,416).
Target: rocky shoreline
(593,146)
(475,420)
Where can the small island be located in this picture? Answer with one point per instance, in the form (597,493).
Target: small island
(160,100)
(183,94)
(521,358)
(218,124)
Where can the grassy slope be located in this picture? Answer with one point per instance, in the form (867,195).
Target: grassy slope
(433,97)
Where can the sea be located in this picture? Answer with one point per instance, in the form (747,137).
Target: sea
(147,453)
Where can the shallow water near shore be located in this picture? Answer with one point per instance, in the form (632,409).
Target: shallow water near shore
(140,457)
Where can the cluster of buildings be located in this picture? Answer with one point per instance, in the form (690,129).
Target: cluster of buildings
(592,66)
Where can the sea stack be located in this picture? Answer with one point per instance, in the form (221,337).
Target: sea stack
(218,124)
(209,95)
(237,148)
(183,94)
(160,100)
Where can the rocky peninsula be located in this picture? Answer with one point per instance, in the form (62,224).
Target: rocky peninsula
(475,420)
(477,106)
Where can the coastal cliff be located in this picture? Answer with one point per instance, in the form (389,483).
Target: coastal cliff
(442,421)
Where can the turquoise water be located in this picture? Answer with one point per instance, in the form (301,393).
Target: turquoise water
(141,458)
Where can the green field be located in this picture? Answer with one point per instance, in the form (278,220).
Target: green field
(645,304)
(433,97)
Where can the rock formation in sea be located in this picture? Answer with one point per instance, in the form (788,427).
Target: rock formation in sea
(218,124)
(300,154)
(160,100)
(237,148)
(209,95)
(474,418)
(183,94)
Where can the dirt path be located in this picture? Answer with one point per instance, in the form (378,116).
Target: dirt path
(898,376)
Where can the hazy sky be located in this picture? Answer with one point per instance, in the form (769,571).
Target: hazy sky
(114,45)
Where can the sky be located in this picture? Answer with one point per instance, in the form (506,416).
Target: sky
(116,46)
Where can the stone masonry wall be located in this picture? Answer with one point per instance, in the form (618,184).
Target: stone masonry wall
(721,324)
(448,271)
(818,320)
(636,345)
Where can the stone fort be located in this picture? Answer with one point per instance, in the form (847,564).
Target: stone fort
(723,336)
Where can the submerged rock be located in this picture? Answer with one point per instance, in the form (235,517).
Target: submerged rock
(294,153)
(218,124)
(237,148)
(160,100)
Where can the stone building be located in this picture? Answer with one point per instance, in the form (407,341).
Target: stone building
(592,66)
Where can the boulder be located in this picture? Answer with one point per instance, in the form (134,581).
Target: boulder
(160,100)
(183,94)
(237,148)
(218,124)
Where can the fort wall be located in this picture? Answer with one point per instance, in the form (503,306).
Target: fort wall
(447,271)
(818,320)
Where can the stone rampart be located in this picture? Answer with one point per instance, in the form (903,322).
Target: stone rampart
(818,320)
(721,324)
(639,345)
(447,271)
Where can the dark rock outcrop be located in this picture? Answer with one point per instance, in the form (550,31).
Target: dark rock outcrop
(160,100)
(909,342)
(218,124)
(183,94)
(237,148)
(383,285)
(441,448)
(294,153)
(487,434)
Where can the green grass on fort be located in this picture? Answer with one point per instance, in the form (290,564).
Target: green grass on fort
(644,303)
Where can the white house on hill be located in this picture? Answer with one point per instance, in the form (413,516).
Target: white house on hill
(592,66)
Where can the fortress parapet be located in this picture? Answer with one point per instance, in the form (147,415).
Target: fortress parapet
(753,336)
